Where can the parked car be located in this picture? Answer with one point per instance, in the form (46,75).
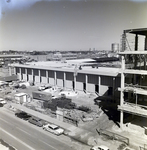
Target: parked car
(53,129)
(3,83)
(124,147)
(36,121)
(40,88)
(23,115)
(2,101)
(101,147)
(43,87)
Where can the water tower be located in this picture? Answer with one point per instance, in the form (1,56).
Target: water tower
(115,47)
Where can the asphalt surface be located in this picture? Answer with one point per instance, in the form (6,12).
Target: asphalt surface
(24,136)
(82,134)
(86,136)
(89,135)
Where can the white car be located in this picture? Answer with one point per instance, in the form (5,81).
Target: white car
(2,101)
(97,147)
(43,87)
(53,129)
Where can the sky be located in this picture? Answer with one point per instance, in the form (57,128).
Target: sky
(45,25)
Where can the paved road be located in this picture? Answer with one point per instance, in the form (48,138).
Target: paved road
(23,135)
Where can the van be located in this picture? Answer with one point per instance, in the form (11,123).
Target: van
(97,147)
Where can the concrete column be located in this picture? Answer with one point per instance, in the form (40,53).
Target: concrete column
(136,42)
(33,75)
(99,79)
(135,56)
(122,80)
(64,80)
(113,88)
(144,62)
(55,78)
(121,119)
(75,75)
(47,76)
(32,72)
(10,71)
(26,72)
(75,83)
(14,70)
(86,81)
(122,87)
(39,74)
(145,43)
(20,74)
(130,81)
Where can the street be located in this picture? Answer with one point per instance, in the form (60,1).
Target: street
(23,135)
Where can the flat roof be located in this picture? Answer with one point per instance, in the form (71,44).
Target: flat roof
(58,66)
(140,31)
(133,52)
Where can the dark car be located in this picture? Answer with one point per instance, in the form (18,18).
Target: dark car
(36,121)
(1,105)
(22,115)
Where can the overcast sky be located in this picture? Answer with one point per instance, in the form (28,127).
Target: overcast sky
(67,24)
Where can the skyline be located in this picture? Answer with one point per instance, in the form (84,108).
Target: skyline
(67,25)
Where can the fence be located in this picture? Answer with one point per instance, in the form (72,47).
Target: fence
(113,136)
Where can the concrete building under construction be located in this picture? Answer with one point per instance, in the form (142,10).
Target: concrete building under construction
(133,90)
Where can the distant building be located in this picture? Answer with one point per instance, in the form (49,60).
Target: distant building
(10,57)
(115,47)
(62,56)
(7,59)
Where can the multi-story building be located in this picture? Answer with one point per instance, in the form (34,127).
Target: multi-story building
(133,90)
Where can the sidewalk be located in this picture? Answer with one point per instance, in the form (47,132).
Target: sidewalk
(78,134)
(82,135)
(47,118)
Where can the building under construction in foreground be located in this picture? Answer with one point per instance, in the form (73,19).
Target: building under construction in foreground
(133,90)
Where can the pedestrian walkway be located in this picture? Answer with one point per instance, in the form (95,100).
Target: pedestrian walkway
(43,116)
(76,133)
(83,135)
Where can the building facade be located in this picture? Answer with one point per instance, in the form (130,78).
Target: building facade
(101,80)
